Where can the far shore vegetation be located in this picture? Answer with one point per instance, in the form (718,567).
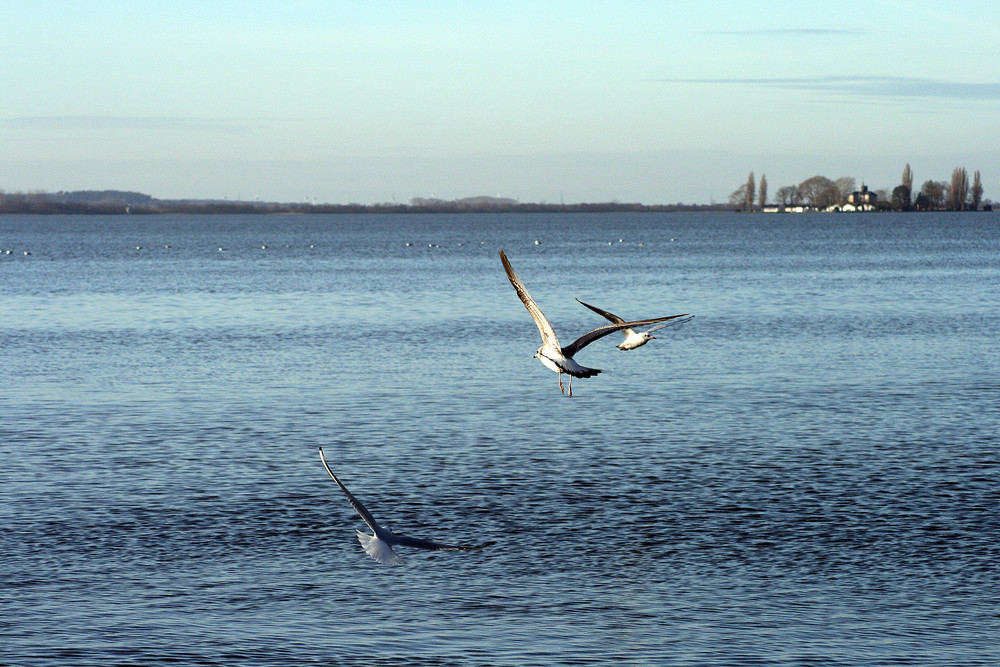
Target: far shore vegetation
(111,202)
(820,193)
(817,193)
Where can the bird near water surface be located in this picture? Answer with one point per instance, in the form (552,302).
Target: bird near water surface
(379,546)
(633,338)
(551,354)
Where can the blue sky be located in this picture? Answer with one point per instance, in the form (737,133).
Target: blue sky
(654,102)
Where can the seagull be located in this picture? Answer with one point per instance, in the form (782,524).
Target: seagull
(551,354)
(635,339)
(379,546)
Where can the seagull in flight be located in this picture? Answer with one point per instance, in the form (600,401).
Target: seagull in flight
(634,339)
(551,354)
(379,546)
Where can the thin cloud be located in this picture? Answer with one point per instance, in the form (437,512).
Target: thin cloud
(868,86)
(784,32)
(163,123)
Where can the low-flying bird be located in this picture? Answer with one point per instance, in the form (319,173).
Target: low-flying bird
(633,338)
(551,354)
(379,546)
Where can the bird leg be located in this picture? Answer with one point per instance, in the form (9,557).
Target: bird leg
(571,386)
(562,390)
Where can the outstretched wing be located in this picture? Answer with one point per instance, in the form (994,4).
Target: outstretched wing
(589,337)
(379,550)
(544,328)
(418,543)
(603,313)
(671,322)
(355,503)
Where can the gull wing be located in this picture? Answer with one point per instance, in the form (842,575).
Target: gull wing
(671,322)
(617,320)
(600,332)
(408,541)
(355,503)
(603,313)
(544,328)
(379,550)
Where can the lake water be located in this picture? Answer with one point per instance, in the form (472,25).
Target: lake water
(806,473)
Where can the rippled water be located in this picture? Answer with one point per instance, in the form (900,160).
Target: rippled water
(808,472)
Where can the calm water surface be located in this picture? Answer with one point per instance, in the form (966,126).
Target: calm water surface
(806,473)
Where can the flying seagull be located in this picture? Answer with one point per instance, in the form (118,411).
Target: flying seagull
(379,546)
(634,339)
(551,354)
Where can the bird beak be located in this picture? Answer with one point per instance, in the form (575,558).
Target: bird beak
(652,338)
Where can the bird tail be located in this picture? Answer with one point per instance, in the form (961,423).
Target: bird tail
(584,372)
(378,549)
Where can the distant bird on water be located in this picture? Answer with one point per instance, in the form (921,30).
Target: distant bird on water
(634,339)
(379,546)
(551,354)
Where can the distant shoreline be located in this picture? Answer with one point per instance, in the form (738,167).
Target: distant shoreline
(113,202)
(118,202)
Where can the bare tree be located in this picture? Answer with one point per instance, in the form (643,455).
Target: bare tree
(932,194)
(738,200)
(751,188)
(977,191)
(762,198)
(788,195)
(907,179)
(819,191)
(958,191)
(845,186)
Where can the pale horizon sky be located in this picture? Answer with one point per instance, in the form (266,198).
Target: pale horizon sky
(340,102)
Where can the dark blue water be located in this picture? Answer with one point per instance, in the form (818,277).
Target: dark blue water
(807,473)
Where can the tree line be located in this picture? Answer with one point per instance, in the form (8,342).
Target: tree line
(821,193)
(114,202)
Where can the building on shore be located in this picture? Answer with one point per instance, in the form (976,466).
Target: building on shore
(861,200)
